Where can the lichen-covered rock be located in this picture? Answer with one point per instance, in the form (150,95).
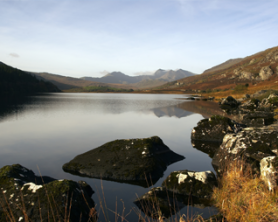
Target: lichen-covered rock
(269,171)
(258,118)
(25,196)
(131,160)
(253,144)
(162,203)
(265,72)
(198,184)
(215,128)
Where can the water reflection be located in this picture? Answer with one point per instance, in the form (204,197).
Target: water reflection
(47,131)
(163,203)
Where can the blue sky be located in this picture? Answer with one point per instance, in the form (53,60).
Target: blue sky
(91,37)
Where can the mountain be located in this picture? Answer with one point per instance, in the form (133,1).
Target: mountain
(114,77)
(158,78)
(15,82)
(258,71)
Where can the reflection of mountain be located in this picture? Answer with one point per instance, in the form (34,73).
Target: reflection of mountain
(205,108)
(171,111)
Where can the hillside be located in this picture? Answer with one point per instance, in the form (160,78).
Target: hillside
(223,65)
(66,83)
(15,82)
(258,71)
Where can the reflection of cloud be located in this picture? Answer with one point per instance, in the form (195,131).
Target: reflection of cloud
(14,55)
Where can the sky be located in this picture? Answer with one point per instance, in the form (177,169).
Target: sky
(80,38)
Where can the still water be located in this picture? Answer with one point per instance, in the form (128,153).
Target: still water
(49,130)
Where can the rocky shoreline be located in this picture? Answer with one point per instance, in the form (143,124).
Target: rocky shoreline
(248,131)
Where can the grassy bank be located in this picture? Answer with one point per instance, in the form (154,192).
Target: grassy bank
(242,196)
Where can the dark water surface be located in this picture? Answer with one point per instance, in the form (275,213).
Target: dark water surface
(47,131)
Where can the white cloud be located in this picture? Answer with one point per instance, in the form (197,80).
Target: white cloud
(14,55)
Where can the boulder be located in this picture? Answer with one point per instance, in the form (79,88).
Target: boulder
(258,118)
(269,171)
(230,101)
(198,184)
(215,128)
(26,197)
(265,72)
(251,144)
(251,104)
(162,203)
(269,103)
(129,161)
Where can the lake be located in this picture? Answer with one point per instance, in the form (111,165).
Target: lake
(46,131)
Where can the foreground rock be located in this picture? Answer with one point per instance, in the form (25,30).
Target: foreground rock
(26,197)
(131,160)
(198,184)
(162,203)
(215,128)
(253,144)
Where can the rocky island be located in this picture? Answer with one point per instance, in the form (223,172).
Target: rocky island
(129,161)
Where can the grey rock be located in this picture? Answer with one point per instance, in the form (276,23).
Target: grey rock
(43,197)
(129,161)
(198,184)
(265,72)
(258,118)
(269,171)
(167,202)
(253,144)
(215,128)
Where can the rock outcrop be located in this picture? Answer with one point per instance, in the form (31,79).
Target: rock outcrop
(265,72)
(29,197)
(253,144)
(198,184)
(129,161)
(269,171)
(215,128)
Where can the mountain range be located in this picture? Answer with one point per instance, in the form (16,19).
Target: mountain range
(160,74)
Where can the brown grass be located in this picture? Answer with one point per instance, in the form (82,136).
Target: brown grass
(243,197)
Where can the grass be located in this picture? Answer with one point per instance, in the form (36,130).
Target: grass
(242,196)
(55,213)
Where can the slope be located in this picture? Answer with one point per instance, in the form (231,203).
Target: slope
(258,70)
(15,82)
